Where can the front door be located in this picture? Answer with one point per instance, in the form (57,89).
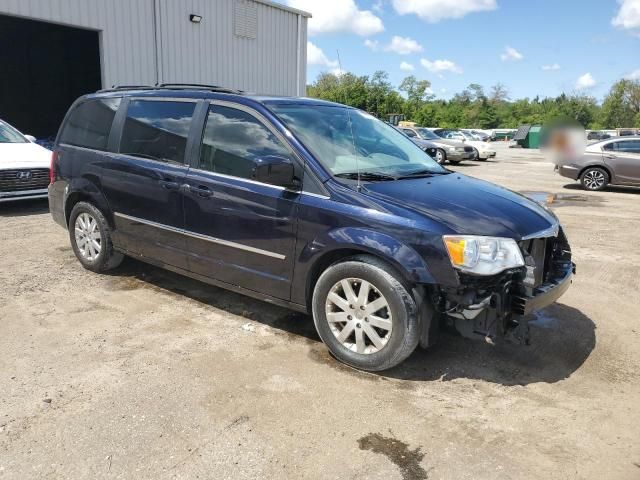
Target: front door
(624,158)
(142,181)
(241,231)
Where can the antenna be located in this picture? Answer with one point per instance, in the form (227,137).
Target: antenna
(353,140)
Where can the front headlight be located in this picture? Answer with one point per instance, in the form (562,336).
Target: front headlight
(451,149)
(460,149)
(483,255)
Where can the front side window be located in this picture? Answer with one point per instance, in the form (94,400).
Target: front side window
(351,143)
(89,123)
(157,130)
(234,141)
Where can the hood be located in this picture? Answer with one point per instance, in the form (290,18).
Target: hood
(23,155)
(466,205)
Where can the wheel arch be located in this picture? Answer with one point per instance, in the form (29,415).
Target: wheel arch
(85,190)
(601,166)
(401,258)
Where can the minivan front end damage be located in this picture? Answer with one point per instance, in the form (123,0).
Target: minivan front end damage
(499,307)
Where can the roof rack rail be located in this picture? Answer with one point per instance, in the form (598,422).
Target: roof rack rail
(126,87)
(214,88)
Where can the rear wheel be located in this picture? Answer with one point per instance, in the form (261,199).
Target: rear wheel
(365,315)
(594,179)
(90,237)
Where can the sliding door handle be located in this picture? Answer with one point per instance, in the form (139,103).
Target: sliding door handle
(169,184)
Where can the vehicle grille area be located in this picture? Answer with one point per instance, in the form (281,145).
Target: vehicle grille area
(18,180)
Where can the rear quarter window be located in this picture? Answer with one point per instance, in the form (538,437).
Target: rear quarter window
(89,123)
(157,130)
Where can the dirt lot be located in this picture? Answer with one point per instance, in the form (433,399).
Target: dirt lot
(146,374)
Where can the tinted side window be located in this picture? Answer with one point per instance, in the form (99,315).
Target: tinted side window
(157,130)
(234,140)
(89,123)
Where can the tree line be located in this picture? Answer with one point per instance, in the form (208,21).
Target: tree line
(476,108)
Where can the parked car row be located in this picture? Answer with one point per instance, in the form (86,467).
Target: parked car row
(450,145)
(24,166)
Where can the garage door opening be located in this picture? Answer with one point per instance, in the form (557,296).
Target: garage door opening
(45,67)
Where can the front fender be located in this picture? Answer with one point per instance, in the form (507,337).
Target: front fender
(404,258)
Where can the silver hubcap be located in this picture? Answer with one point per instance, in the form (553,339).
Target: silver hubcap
(439,156)
(594,179)
(88,238)
(359,316)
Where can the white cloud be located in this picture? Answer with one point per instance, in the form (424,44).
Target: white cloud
(332,16)
(510,54)
(371,44)
(403,45)
(628,16)
(635,75)
(552,66)
(315,56)
(407,67)
(438,66)
(585,82)
(435,10)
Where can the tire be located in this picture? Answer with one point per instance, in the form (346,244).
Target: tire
(96,253)
(441,156)
(476,154)
(396,324)
(594,179)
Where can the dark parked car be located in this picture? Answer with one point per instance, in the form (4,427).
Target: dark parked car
(613,161)
(595,135)
(308,204)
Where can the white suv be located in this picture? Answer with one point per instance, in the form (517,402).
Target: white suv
(24,166)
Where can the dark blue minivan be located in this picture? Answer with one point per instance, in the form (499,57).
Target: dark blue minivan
(308,204)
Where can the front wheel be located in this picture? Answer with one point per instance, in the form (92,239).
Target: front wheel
(365,315)
(440,157)
(594,179)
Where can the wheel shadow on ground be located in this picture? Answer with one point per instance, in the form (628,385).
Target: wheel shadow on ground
(23,208)
(133,274)
(615,189)
(562,338)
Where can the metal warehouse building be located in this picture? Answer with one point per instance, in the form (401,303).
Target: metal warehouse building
(52,51)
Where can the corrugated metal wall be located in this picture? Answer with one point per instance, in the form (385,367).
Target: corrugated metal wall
(210,52)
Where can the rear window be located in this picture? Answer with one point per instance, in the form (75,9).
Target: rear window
(90,122)
(157,130)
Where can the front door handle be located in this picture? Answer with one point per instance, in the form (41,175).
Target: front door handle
(200,190)
(169,184)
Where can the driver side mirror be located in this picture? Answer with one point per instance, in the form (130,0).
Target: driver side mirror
(276,170)
(31,138)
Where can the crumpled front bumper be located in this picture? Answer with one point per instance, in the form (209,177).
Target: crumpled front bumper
(545,294)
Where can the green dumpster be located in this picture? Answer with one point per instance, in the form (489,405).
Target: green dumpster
(532,139)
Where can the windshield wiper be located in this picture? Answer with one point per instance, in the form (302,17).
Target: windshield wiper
(423,173)
(372,176)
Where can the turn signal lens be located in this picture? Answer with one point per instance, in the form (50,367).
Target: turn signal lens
(483,255)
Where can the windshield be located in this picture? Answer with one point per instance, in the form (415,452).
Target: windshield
(427,134)
(8,134)
(347,141)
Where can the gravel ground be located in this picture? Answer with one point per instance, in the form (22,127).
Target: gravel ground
(146,374)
